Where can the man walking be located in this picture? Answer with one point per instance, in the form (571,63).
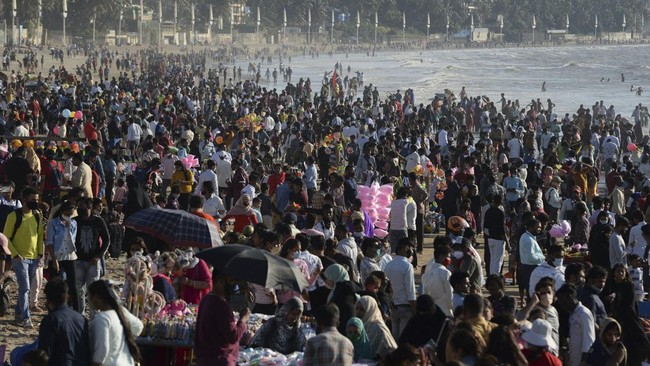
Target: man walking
(24,230)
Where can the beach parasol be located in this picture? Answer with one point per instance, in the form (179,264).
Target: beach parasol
(254,265)
(175,227)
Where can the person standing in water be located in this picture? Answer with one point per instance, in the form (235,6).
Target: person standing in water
(544,87)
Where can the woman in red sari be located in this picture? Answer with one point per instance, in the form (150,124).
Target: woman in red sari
(243,213)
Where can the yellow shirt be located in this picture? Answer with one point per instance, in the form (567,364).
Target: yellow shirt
(28,240)
(180,176)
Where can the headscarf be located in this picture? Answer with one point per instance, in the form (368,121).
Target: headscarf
(362,350)
(239,208)
(337,273)
(381,339)
(280,336)
(605,325)
(136,199)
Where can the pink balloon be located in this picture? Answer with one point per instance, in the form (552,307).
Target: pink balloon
(56,130)
(383,225)
(363,190)
(631,147)
(381,233)
(78,115)
(383,211)
(556,231)
(566,227)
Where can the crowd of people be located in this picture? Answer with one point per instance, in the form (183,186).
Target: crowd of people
(281,170)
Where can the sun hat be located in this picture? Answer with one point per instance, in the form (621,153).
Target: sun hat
(540,334)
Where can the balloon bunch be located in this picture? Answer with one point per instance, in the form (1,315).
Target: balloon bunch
(560,230)
(376,201)
(78,115)
(190,161)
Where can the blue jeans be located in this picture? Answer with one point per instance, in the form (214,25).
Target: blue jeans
(85,273)
(395,236)
(25,271)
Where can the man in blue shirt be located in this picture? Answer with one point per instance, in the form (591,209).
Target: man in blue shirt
(514,186)
(63,333)
(530,253)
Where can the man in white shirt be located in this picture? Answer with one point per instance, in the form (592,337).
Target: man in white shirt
(269,123)
(397,218)
(582,329)
(346,244)
(514,146)
(224,172)
(314,263)
(413,159)
(435,281)
(636,242)
(552,268)
(208,175)
(617,244)
(168,162)
(134,133)
(401,275)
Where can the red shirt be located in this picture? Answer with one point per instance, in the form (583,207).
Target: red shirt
(241,221)
(541,359)
(89,131)
(200,272)
(47,168)
(205,216)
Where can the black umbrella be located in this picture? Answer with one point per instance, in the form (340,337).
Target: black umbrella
(255,265)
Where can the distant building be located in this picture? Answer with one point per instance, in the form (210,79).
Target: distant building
(239,12)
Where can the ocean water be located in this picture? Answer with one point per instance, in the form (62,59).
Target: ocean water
(572,74)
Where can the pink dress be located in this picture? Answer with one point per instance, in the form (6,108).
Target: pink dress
(200,272)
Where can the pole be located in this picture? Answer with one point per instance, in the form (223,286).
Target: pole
(428,24)
(160,19)
(119,28)
(624,23)
(447,32)
(358,24)
(175,20)
(94,21)
(64,15)
(332,28)
(284,24)
(232,23)
(192,19)
(403,27)
(14,13)
(471,27)
(534,26)
(309,26)
(596,27)
(257,30)
(211,22)
(141,22)
(376,24)
(38,22)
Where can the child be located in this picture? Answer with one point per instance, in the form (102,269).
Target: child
(120,191)
(460,283)
(636,271)
(172,200)
(257,206)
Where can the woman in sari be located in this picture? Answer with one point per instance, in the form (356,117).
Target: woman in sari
(282,333)
(381,340)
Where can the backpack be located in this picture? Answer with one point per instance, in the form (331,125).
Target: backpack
(19,221)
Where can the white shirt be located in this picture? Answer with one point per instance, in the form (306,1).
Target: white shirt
(269,123)
(636,238)
(398,214)
(168,165)
(348,246)
(207,176)
(249,190)
(134,132)
(442,138)
(435,282)
(514,145)
(107,338)
(400,273)
(224,172)
(411,214)
(327,230)
(546,270)
(213,205)
(582,333)
(314,264)
(617,249)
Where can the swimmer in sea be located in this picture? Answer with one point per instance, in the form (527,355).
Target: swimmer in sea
(544,87)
